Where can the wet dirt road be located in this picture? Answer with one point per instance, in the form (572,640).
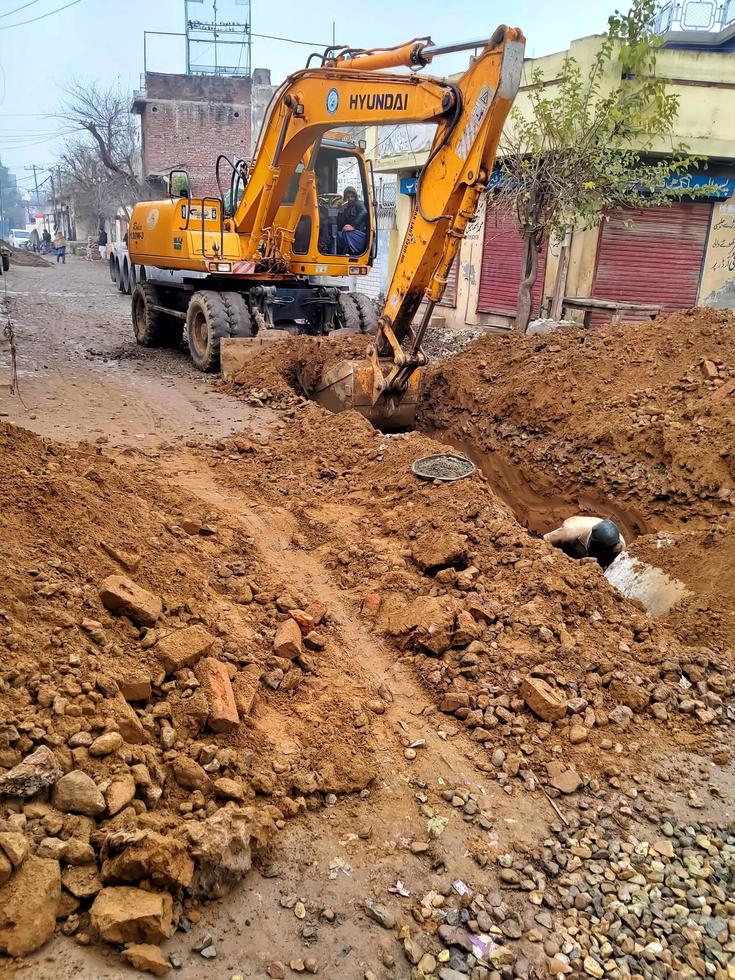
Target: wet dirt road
(81,374)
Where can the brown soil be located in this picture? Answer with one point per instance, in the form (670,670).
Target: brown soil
(624,421)
(25,257)
(439,604)
(624,412)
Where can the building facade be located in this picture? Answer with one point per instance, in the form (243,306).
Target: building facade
(675,256)
(186,121)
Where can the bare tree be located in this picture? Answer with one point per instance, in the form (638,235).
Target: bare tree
(101,166)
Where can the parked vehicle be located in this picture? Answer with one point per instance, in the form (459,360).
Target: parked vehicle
(19,238)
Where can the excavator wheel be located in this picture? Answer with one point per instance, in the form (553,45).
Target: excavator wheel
(152,327)
(356,314)
(207,323)
(368,314)
(241,321)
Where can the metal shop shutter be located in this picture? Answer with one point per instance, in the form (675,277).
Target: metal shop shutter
(500,273)
(657,259)
(450,293)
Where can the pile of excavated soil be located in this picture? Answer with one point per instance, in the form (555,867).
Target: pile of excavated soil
(481,608)
(635,422)
(24,256)
(640,414)
(138,632)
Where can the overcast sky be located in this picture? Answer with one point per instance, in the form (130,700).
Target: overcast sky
(102,40)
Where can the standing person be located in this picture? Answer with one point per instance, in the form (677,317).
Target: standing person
(352,222)
(102,243)
(60,246)
(35,241)
(46,239)
(588,537)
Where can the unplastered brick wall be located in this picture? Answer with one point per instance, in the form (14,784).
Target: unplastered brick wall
(188,120)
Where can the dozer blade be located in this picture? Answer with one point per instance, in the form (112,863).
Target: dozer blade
(235,352)
(352,385)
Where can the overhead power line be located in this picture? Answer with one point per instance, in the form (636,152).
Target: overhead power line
(33,20)
(16,9)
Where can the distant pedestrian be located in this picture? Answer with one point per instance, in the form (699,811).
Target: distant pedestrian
(102,243)
(60,246)
(35,241)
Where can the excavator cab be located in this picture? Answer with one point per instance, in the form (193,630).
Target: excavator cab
(315,205)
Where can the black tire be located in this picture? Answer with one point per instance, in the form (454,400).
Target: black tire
(367,312)
(152,328)
(241,322)
(130,279)
(207,323)
(348,315)
(6,263)
(112,263)
(120,280)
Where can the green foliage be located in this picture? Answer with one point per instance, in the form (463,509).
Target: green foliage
(594,142)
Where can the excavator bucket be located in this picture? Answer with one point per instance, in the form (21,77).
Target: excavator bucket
(353,385)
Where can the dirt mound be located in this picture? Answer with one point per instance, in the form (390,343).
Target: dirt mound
(283,374)
(638,413)
(140,647)
(24,256)
(452,581)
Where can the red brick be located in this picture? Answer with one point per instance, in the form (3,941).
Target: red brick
(317,610)
(371,606)
(135,688)
(121,595)
(246,684)
(303,620)
(215,680)
(287,641)
(724,391)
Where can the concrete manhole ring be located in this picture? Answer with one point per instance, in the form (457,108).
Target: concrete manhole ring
(446,467)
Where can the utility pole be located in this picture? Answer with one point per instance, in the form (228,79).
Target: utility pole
(35,169)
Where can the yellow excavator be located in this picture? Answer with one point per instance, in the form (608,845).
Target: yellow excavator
(271,249)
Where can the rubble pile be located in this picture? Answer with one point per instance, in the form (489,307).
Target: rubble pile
(138,635)
(514,641)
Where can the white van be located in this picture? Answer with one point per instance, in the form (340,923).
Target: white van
(20,238)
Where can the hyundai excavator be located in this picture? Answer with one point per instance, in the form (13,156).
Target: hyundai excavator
(268,251)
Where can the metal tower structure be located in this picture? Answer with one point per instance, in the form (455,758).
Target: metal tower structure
(216,45)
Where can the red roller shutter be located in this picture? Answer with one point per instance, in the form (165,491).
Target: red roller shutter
(500,274)
(656,259)
(450,293)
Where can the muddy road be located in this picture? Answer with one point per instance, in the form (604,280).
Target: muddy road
(81,374)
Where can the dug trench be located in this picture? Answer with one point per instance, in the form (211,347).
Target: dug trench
(448,750)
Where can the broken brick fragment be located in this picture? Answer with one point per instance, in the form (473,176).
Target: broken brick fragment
(287,641)
(214,677)
(542,699)
(183,647)
(303,620)
(371,606)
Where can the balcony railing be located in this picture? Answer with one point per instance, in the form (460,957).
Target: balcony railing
(695,15)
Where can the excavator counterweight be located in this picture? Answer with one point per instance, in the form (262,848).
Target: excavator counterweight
(300,215)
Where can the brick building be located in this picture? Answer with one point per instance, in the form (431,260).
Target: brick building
(186,121)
